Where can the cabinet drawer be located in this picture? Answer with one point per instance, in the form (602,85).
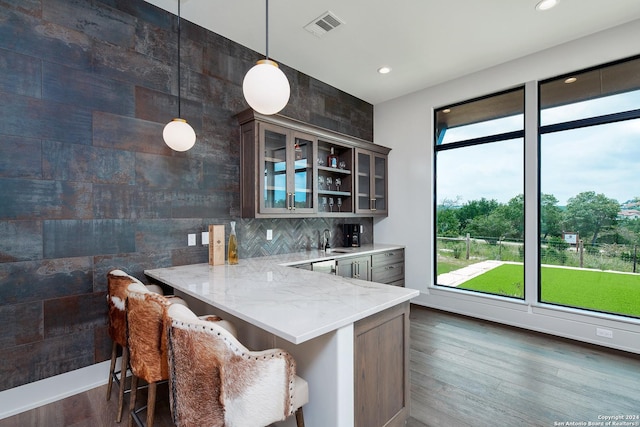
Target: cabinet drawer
(386,258)
(388,273)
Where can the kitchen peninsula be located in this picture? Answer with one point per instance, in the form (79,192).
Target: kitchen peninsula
(349,337)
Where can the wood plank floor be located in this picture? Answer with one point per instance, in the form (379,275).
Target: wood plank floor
(464,372)
(467,372)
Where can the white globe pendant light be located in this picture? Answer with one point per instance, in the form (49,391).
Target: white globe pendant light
(265,86)
(178,134)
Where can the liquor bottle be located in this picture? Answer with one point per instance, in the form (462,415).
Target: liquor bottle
(232,258)
(298,151)
(332,159)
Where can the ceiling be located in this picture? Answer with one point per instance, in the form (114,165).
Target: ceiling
(425,42)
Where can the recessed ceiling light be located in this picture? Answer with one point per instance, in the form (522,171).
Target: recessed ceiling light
(546,4)
(571,80)
(446,110)
(384,70)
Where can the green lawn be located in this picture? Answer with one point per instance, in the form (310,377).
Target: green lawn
(596,290)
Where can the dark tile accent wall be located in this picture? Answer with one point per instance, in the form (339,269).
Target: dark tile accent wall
(86,182)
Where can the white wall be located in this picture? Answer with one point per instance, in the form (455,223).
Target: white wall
(406,125)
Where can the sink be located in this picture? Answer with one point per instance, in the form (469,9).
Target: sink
(343,250)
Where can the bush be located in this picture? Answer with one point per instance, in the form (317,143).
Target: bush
(456,252)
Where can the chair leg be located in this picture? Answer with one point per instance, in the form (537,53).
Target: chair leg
(123,380)
(132,398)
(112,368)
(151,403)
(299,417)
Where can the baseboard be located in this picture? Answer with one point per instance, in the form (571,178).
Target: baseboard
(33,395)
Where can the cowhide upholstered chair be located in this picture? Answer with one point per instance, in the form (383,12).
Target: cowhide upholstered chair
(216,381)
(147,339)
(117,283)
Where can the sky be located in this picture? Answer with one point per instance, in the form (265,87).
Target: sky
(604,159)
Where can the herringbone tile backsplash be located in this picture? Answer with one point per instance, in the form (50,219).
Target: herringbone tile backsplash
(293,234)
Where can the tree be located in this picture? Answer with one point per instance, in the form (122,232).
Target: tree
(475,209)
(629,231)
(495,225)
(589,213)
(550,216)
(447,224)
(513,211)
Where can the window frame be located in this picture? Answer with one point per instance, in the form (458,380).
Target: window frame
(532,135)
(568,125)
(499,137)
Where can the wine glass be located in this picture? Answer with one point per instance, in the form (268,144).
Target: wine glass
(331,203)
(320,182)
(329,182)
(320,162)
(324,203)
(338,184)
(342,164)
(339,203)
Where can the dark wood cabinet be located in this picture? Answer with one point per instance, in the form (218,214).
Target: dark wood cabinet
(287,170)
(371,182)
(388,267)
(381,267)
(381,367)
(278,174)
(354,267)
(335,179)
(381,344)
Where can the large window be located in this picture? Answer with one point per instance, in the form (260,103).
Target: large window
(479,208)
(589,189)
(587,192)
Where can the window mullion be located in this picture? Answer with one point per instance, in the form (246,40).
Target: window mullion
(531,194)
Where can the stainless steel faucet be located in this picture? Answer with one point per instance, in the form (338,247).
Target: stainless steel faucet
(326,237)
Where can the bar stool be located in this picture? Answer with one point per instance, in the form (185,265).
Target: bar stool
(216,381)
(147,339)
(117,284)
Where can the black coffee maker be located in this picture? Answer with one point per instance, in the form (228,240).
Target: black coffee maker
(351,234)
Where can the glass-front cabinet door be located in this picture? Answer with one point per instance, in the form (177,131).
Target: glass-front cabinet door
(287,158)
(371,182)
(291,169)
(334,179)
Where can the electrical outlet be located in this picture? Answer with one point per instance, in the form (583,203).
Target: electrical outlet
(191,239)
(605,333)
(205,238)
(269,234)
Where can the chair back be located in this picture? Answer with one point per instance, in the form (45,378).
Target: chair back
(117,284)
(217,381)
(147,337)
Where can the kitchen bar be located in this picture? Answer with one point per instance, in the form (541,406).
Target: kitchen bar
(313,316)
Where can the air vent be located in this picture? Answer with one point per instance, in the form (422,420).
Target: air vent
(323,24)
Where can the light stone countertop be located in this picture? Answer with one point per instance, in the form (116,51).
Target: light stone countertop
(291,303)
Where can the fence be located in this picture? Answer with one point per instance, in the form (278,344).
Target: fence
(554,251)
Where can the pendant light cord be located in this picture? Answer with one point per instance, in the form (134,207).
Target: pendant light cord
(267,29)
(179,112)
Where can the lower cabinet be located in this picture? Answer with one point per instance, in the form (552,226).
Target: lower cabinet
(381,347)
(354,267)
(388,267)
(382,267)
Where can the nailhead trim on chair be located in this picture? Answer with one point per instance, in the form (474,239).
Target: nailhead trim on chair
(238,352)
